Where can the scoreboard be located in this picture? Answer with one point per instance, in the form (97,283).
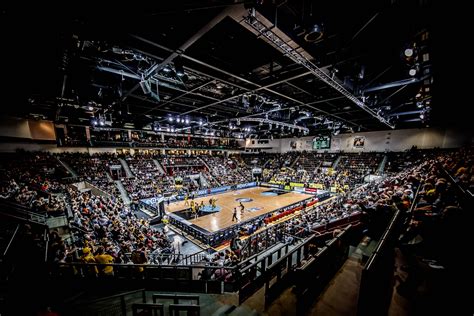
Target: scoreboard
(322,142)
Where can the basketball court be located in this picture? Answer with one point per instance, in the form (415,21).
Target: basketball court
(257,201)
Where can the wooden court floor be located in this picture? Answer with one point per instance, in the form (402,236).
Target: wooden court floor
(227,201)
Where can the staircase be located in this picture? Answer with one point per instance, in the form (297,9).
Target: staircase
(382,164)
(123,192)
(67,167)
(125,166)
(266,162)
(203,180)
(159,166)
(336,162)
(295,161)
(209,169)
(205,164)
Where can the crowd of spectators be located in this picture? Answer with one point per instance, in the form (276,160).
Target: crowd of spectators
(33,180)
(95,168)
(225,171)
(107,231)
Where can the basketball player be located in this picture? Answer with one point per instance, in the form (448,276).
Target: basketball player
(213,203)
(186,203)
(242,208)
(234,215)
(193,210)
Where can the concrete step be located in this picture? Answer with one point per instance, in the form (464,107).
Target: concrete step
(243,311)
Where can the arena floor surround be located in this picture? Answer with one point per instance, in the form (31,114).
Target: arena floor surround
(257,201)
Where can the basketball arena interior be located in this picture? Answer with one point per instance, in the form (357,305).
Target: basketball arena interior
(222,157)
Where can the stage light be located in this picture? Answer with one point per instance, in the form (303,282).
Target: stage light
(145,84)
(170,118)
(422,116)
(200,122)
(408,52)
(178,66)
(314,34)
(412,72)
(419,104)
(187,121)
(167,69)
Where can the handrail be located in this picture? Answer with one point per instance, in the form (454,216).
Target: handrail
(383,240)
(115,296)
(415,197)
(46,240)
(144,265)
(12,210)
(289,253)
(465,193)
(11,240)
(195,254)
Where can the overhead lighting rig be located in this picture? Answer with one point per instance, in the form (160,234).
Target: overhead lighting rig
(274,123)
(267,32)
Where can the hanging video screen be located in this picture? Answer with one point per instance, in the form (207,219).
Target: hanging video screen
(322,142)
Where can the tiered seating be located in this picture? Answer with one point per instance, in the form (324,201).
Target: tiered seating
(94,168)
(360,164)
(32,179)
(226,172)
(310,161)
(148,181)
(112,232)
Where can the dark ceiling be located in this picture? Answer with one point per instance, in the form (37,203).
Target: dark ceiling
(90,62)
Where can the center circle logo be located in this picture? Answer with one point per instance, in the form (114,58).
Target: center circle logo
(243,200)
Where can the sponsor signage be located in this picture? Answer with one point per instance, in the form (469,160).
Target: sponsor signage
(271,185)
(221,189)
(246,185)
(296,184)
(152,201)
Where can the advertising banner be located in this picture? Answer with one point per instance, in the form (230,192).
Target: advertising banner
(246,185)
(221,189)
(152,201)
(269,185)
(296,184)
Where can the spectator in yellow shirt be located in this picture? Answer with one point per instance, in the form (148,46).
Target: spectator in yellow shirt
(102,258)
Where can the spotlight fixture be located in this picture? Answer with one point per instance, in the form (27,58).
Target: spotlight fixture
(200,122)
(146,87)
(408,52)
(314,34)
(178,66)
(170,118)
(187,120)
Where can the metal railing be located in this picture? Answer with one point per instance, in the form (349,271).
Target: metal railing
(11,240)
